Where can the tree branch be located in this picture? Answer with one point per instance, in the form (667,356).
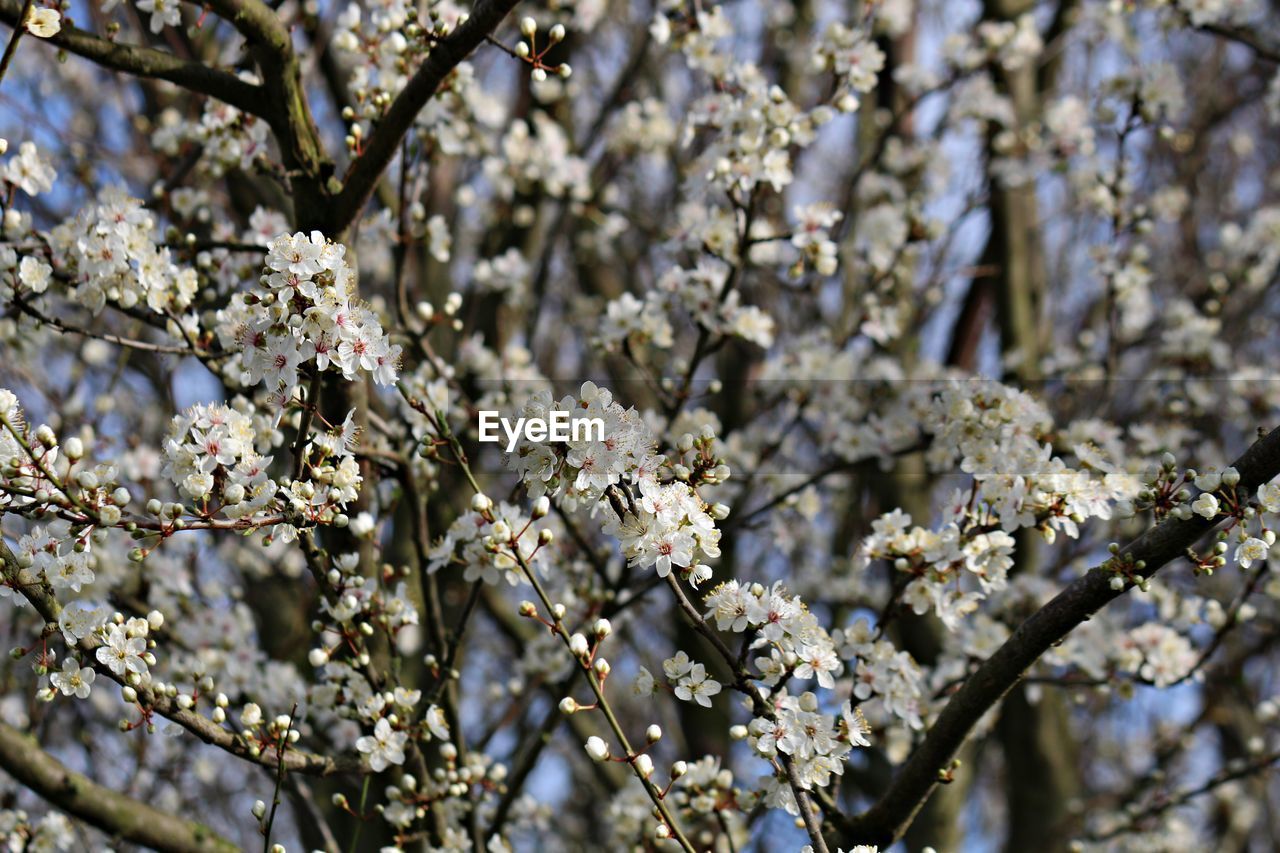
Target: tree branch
(385,139)
(1247,37)
(887,820)
(288,110)
(148,62)
(295,761)
(112,812)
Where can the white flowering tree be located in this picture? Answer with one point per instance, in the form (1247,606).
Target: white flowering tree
(930,343)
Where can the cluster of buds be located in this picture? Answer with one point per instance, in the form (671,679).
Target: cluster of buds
(527,50)
(1125,569)
(701,465)
(1165,493)
(444,316)
(39,476)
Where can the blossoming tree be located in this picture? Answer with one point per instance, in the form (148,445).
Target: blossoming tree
(935,491)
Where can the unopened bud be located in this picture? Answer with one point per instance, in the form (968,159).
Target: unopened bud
(597,748)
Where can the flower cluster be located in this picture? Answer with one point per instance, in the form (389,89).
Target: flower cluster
(305,313)
(52,554)
(21,831)
(817,743)
(796,642)
(582,469)
(852,55)
(108,253)
(210,455)
(38,473)
(813,238)
(1157,653)
(480,545)
(690,680)
(28,170)
(884,672)
(668,526)
(705,293)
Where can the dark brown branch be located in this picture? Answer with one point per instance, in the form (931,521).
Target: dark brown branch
(287,108)
(148,62)
(114,813)
(888,819)
(385,139)
(1249,38)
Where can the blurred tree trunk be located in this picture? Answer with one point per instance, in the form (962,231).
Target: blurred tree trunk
(1041,772)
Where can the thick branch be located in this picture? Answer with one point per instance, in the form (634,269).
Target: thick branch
(147,62)
(887,820)
(287,111)
(385,139)
(256,22)
(112,812)
(1251,39)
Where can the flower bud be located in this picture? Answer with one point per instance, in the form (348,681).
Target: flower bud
(541,507)
(653,734)
(528,27)
(597,748)
(568,705)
